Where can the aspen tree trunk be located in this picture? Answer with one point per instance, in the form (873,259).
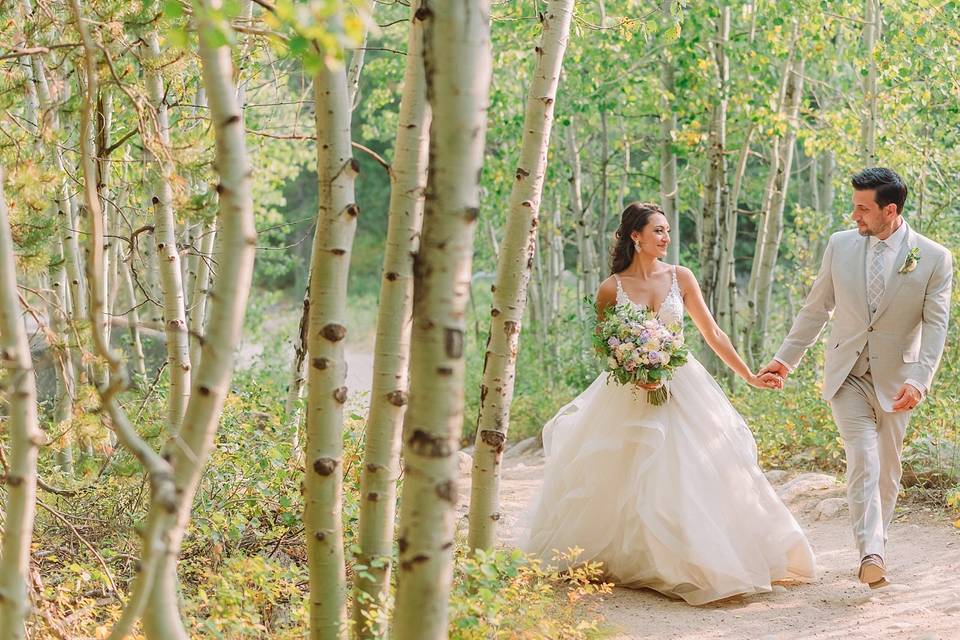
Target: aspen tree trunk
(291,408)
(826,167)
(513,273)
(326,373)
(389,394)
(133,316)
(625,180)
(57,308)
(201,286)
(727,315)
(873,15)
(168,256)
(101,134)
(716,193)
(603,241)
(668,157)
(749,341)
(235,253)
(24,438)
(64,203)
(457,66)
(586,250)
(356,62)
(159,472)
(773,219)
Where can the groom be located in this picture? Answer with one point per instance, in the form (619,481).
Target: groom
(888,290)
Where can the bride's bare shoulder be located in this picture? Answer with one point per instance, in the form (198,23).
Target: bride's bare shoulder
(607,293)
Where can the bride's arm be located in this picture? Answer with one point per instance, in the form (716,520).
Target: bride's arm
(606,297)
(710,330)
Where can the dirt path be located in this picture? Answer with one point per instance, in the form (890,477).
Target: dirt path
(924,562)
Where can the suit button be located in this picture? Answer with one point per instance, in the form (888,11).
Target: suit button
(869,328)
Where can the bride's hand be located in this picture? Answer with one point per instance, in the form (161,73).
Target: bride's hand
(650,386)
(766,381)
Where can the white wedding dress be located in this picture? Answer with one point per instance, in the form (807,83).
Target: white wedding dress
(667,497)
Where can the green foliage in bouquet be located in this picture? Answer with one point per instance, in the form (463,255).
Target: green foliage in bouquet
(638,348)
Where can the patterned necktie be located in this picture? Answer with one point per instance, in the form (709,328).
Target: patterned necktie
(875,282)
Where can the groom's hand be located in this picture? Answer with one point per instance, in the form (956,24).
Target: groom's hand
(907,398)
(776,368)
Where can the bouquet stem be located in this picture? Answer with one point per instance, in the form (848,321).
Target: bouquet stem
(658,396)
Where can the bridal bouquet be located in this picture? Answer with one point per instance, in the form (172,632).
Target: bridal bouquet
(640,349)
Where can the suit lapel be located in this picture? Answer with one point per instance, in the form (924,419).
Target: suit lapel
(897,279)
(859,273)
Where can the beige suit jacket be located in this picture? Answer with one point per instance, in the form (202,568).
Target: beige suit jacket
(906,335)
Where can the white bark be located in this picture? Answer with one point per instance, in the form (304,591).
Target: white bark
(389,394)
(668,157)
(158,469)
(168,256)
(201,286)
(457,64)
(716,193)
(24,438)
(236,243)
(773,218)
(326,373)
(513,273)
(586,250)
(873,14)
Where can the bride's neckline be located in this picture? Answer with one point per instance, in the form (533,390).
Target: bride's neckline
(666,298)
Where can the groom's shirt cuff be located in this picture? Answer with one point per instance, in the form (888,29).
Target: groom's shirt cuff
(918,386)
(789,368)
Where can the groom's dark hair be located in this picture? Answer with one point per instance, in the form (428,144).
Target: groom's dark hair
(888,185)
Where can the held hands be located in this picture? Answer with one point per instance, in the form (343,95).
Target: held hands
(907,398)
(777,368)
(765,380)
(771,376)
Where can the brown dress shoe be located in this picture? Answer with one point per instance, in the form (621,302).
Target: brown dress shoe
(873,572)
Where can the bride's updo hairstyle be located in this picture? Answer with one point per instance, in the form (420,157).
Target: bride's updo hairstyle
(634,218)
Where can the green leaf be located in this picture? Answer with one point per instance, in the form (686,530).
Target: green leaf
(172,9)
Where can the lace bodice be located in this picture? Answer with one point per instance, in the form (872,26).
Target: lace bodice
(671,309)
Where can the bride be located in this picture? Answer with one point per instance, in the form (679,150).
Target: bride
(667,497)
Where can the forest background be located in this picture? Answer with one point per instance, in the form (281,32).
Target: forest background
(744,120)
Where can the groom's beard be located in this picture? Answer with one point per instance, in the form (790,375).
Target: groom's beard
(887,229)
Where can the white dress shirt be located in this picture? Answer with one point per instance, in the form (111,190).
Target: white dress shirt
(894,241)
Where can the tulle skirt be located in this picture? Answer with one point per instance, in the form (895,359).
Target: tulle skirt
(667,497)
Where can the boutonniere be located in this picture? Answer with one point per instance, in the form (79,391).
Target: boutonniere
(910,263)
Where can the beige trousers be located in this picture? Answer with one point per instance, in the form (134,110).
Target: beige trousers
(873,440)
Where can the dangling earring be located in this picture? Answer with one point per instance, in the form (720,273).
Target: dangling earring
(636,246)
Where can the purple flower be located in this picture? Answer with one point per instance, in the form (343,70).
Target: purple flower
(613,341)
(654,357)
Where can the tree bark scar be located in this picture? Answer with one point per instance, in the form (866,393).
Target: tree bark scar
(493,439)
(340,394)
(511,327)
(423,13)
(334,332)
(320,363)
(447,490)
(424,444)
(417,559)
(453,342)
(397,398)
(522,173)
(325,466)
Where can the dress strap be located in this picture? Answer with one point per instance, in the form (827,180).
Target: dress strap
(621,295)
